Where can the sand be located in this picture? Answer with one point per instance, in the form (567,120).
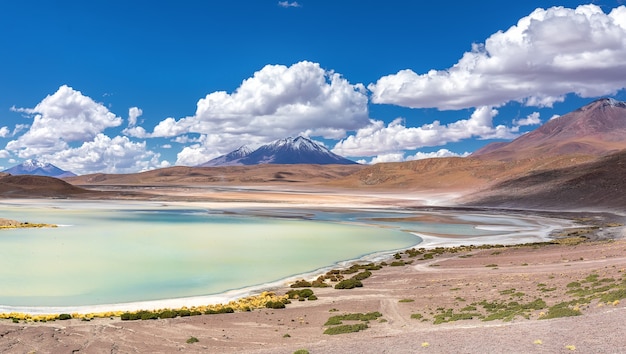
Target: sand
(450,280)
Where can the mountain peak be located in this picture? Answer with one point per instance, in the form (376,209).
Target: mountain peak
(603,103)
(597,128)
(298,150)
(38,168)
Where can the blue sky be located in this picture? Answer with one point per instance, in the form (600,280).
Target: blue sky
(125,86)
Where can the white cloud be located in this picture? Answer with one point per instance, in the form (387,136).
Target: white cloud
(377,139)
(4,132)
(19,128)
(531,119)
(390,157)
(276,102)
(63,117)
(435,154)
(399,157)
(287,4)
(4,154)
(133,114)
(108,155)
(538,61)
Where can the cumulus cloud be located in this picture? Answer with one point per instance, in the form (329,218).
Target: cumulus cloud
(435,154)
(108,155)
(287,4)
(276,102)
(546,55)
(531,119)
(376,138)
(133,114)
(4,132)
(4,154)
(65,116)
(400,156)
(67,130)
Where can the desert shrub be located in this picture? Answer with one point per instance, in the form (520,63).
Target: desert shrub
(363,275)
(168,314)
(319,284)
(336,320)
(147,315)
(301,284)
(219,311)
(417,316)
(184,313)
(312,297)
(406,300)
(349,328)
(301,351)
(299,294)
(349,284)
(65,316)
(560,310)
(192,340)
(275,305)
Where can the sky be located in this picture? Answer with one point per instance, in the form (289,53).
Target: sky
(127,86)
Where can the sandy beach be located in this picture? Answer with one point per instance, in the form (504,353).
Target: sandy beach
(409,299)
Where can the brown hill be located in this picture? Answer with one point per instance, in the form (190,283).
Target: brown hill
(449,174)
(598,128)
(596,184)
(27,186)
(224,175)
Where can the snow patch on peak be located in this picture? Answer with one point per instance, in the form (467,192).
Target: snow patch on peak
(35,163)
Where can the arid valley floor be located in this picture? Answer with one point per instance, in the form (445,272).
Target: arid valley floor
(520,287)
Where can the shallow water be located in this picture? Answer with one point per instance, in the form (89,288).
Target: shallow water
(126,254)
(113,253)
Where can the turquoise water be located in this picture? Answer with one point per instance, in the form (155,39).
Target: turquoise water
(131,253)
(140,253)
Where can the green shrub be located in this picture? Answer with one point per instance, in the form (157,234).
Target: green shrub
(363,275)
(168,314)
(301,351)
(65,316)
(275,305)
(301,284)
(349,284)
(192,340)
(349,328)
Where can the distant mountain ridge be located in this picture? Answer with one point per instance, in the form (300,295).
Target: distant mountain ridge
(598,128)
(289,151)
(38,168)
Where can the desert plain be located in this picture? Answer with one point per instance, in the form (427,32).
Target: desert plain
(459,299)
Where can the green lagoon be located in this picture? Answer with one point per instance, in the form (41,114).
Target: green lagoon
(107,253)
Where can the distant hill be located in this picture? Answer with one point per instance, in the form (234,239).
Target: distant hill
(38,168)
(596,184)
(597,129)
(289,151)
(30,186)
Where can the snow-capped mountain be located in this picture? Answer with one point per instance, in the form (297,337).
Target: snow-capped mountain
(299,150)
(38,168)
(229,159)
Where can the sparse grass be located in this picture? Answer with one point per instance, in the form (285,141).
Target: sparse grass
(406,300)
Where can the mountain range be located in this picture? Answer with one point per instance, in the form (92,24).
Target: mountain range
(38,168)
(289,151)
(576,161)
